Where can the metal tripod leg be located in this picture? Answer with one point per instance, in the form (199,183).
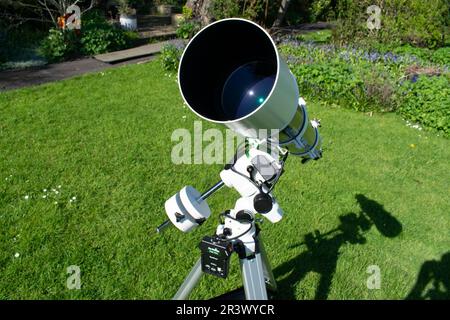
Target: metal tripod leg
(190,282)
(268,274)
(253,278)
(257,274)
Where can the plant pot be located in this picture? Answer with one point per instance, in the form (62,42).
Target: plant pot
(164,9)
(177,19)
(128,22)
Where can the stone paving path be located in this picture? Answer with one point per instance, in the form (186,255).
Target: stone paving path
(15,79)
(137,52)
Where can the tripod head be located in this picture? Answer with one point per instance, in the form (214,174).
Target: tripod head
(252,172)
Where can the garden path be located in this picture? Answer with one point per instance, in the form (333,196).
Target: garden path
(15,79)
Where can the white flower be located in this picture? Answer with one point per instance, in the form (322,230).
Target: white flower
(74,198)
(16,255)
(55,203)
(44,196)
(59,187)
(56,192)
(45,190)
(27,197)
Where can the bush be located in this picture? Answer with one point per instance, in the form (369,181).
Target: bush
(309,11)
(19,44)
(96,36)
(101,40)
(358,79)
(187,13)
(99,36)
(221,9)
(426,100)
(254,10)
(322,10)
(441,56)
(171,55)
(418,22)
(263,12)
(60,45)
(187,29)
(369,80)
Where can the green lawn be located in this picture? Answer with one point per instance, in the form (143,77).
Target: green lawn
(105,139)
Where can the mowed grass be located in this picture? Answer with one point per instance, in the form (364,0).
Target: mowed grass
(105,138)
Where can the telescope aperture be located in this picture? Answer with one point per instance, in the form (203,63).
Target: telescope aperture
(247,88)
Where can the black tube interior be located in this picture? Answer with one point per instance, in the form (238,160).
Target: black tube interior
(212,58)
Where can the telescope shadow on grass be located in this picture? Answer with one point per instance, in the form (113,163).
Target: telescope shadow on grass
(433,281)
(322,251)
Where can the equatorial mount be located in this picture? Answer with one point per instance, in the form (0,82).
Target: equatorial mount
(253,173)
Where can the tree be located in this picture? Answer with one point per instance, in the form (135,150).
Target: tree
(201,10)
(58,8)
(16,12)
(281,13)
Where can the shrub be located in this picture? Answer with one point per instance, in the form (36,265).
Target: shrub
(374,81)
(253,10)
(101,40)
(187,13)
(60,45)
(441,56)
(19,43)
(187,29)
(322,10)
(308,11)
(421,53)
(262,11)
(426,100)
(347,76)
(99,36)
(421,23)
(221,9)
(170,56)
(96,36)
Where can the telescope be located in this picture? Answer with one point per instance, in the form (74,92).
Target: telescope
(231,73)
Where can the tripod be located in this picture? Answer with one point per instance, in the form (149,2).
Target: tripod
(253,175)
(257,276)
